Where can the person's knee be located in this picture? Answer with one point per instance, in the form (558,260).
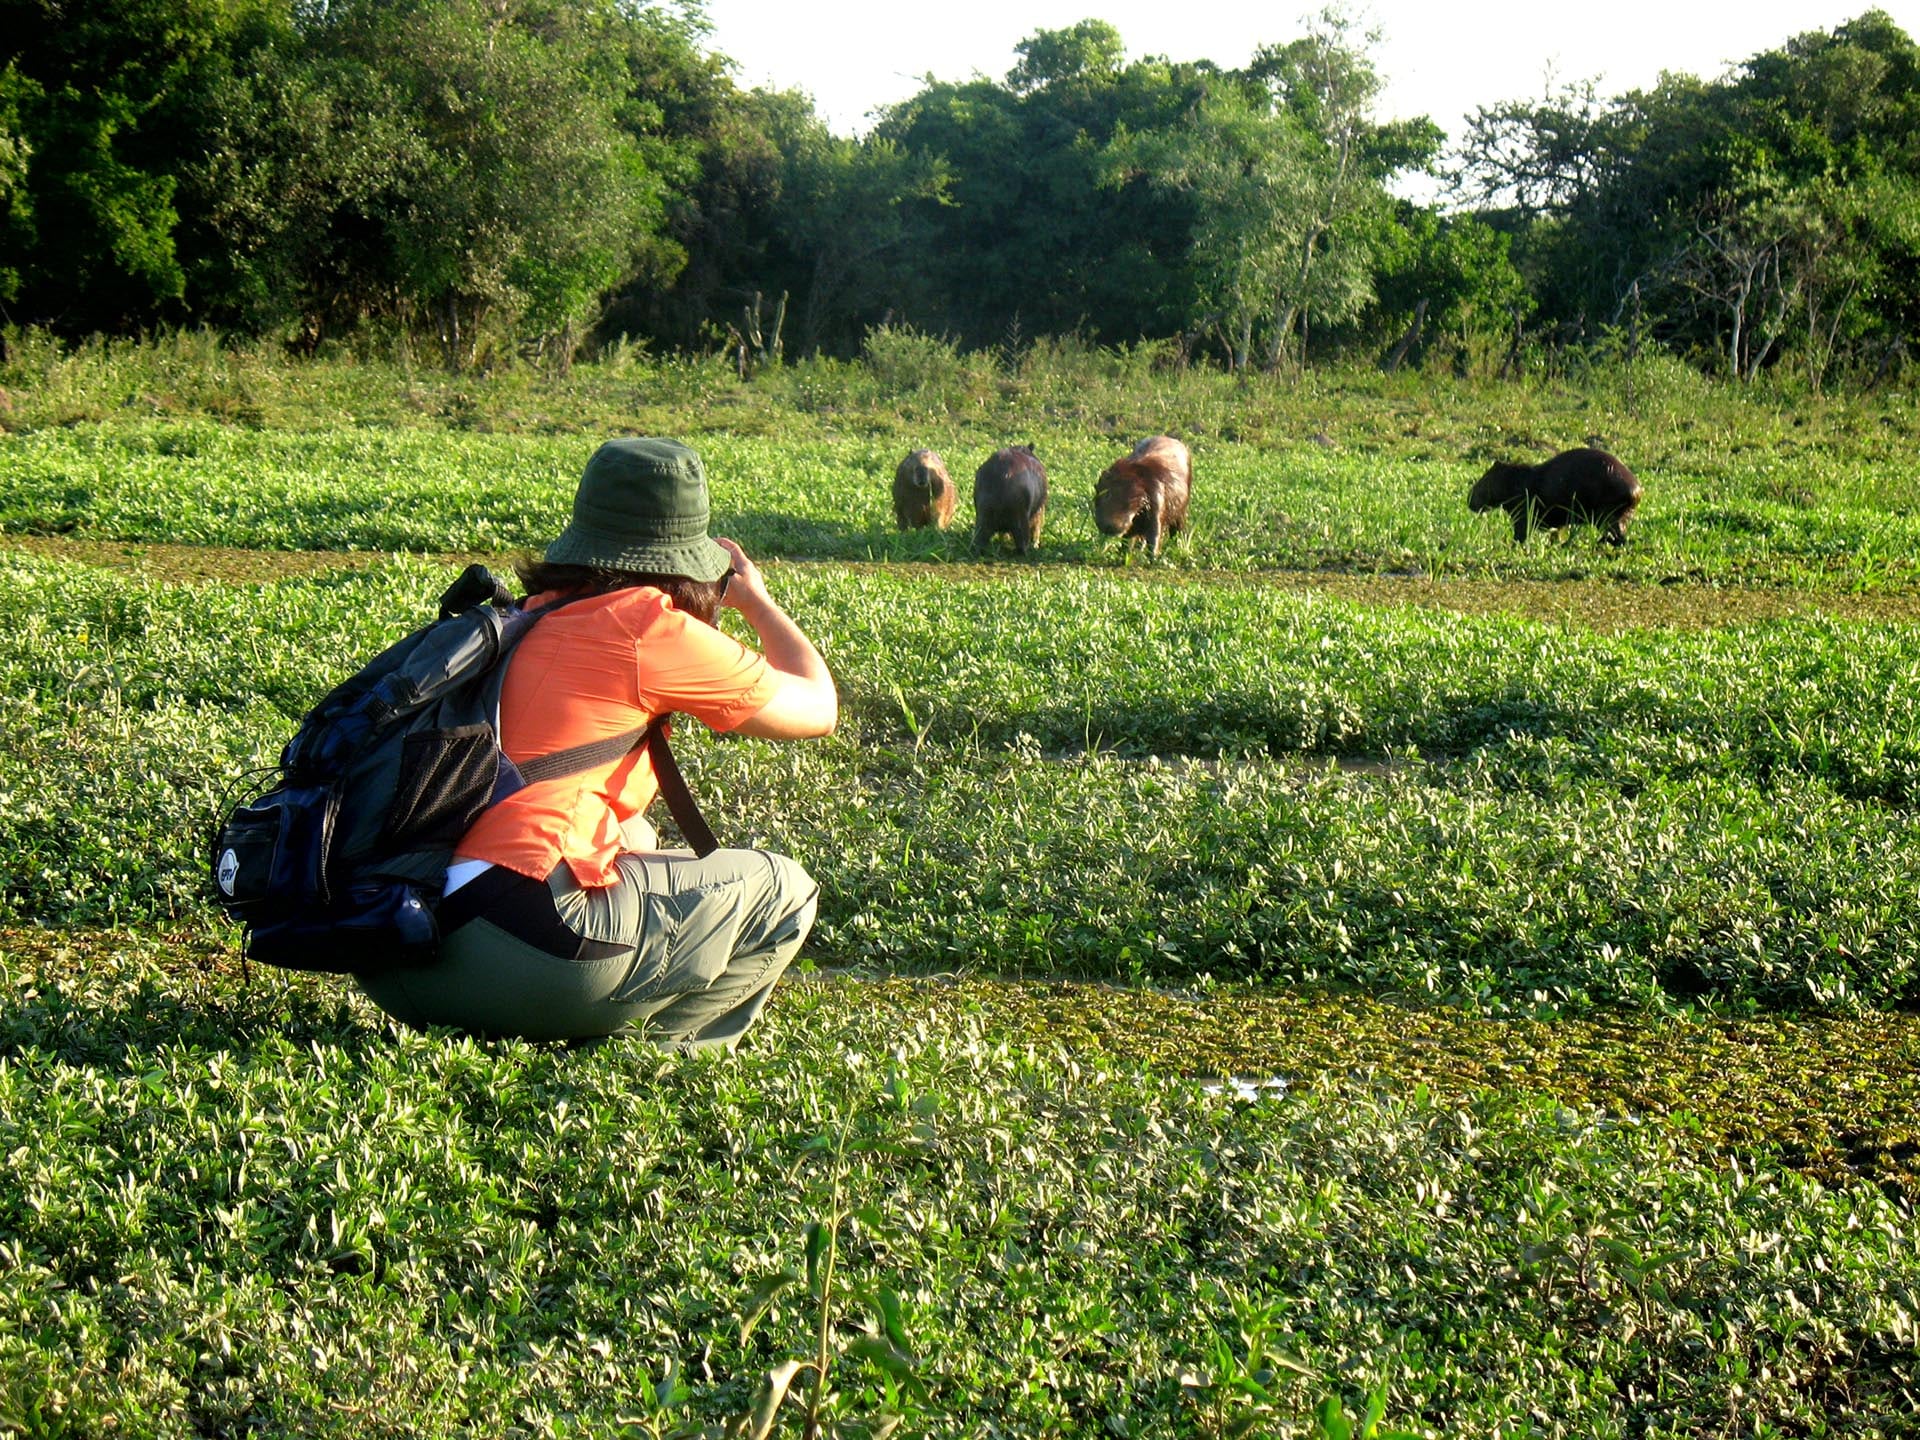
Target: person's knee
(795,895)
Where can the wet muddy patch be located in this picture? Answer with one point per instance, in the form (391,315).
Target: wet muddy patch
(1835,1095)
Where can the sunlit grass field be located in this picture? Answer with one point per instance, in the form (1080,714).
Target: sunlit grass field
(1570,892)
(1797,517)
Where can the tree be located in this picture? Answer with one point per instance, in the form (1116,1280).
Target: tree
(16,213)
(1735,207)
(721,152)
(1286,172)
(1326,85)
(1534,158)
(283,215)
(1457,266)
(846,207)
(104,102)
(1243,169)
(511,196)
(1030,236)
(1090,52)
(307,165)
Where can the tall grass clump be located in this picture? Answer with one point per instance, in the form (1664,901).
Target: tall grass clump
(925,373)
(177,372)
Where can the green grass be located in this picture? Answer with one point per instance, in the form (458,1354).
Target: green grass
(1807,519)
(1158,782)
(255,1208)
(1573,895)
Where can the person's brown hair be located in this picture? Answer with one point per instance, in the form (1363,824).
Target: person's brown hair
(699,598)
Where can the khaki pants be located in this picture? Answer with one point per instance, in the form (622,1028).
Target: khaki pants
(688,950)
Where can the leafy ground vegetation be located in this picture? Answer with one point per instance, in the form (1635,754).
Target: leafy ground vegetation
(1568,892)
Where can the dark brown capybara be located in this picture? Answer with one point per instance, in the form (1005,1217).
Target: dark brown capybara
(1010,498)
(922,493)
(1145,494)
(1574,487)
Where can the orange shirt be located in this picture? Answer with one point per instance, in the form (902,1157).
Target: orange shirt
(599,667)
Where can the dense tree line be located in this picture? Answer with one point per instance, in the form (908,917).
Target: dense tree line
(1771,214)
(528,176)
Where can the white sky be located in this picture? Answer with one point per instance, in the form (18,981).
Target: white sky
(1439,58)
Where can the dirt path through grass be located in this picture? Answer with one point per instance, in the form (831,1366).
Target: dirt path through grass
(1595,604)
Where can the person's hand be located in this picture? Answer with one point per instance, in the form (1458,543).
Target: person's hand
(746,583)
(804,702)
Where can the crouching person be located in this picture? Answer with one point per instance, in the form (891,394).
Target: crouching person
(562,918)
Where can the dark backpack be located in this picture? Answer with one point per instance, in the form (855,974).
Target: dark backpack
(340,865)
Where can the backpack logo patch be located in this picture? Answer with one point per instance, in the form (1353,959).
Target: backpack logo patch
(229,870)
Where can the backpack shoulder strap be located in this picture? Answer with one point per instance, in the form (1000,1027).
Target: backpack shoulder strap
(666,770)
(575,758)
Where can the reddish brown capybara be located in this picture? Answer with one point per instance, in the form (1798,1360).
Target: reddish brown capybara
(1010,498)
(922,493)
(1145,494)
(1574,487)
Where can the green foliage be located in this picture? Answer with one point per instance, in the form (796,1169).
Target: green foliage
(1090,52)
(1044,247)
(1460,266)
(302,170)
(1632,842)
(282,228)
(850,206)
(16,207)
(100,105)
(1245,170)
(522,194)
(256,1206)
(504,179)
(1524,815)
(1737,209)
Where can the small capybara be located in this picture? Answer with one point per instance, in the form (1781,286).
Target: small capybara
(1145,494)
(922,493)
(1010,498)
(1574,487)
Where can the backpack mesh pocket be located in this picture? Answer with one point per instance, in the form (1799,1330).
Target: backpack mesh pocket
(446,779)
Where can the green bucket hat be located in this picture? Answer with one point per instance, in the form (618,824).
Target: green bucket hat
(642,505)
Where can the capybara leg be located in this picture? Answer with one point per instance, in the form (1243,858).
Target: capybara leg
(1522,525)
(1150,532)
(1031,540)
(980,537)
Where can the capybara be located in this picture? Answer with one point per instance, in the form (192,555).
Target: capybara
(1146,493)
(922,493)
(1574,487)
(1010,498)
